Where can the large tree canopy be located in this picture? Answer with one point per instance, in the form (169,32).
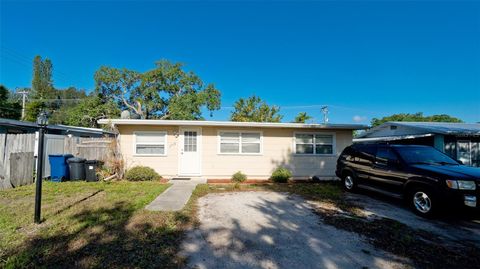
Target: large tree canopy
(415,117)
(255,109)
(165,92)
(88,111)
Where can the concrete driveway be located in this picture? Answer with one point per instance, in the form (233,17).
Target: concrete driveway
(274,230)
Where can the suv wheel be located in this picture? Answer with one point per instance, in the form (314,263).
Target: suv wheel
(349,182)
(423,202)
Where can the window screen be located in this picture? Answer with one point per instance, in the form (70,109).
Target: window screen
(150,143)
(240,142)
(313,144)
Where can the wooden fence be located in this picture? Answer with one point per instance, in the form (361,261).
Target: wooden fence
(10,145)
(18,154)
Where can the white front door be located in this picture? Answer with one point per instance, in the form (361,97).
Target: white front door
(190,143)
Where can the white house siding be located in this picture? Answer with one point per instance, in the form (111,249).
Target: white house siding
(278,146)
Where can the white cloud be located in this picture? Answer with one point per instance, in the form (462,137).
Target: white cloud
(358,118)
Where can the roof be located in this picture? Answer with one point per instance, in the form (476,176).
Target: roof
(416,128)
(231,124)
(66,128)
(443,127)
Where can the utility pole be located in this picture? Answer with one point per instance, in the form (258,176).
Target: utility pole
(325,114)
(24,99)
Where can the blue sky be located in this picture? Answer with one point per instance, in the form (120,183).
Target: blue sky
(363,59)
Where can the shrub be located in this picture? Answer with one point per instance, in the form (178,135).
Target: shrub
(141,173)
(281,174)
(239,177)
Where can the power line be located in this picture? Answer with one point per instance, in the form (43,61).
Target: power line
(319,106)
(26,61)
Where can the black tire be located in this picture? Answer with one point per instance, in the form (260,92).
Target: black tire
(423,201)
(349,182)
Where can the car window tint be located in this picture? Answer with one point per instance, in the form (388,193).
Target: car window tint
(384,155)
(366,153)
(424,155)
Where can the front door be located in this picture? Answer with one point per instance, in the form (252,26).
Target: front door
(190,149)
(463,152)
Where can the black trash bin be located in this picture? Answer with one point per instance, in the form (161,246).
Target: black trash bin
(91,169)
(77,168)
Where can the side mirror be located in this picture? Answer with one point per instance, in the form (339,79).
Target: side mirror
(459,162)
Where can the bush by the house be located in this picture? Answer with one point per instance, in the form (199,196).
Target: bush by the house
(141,173)
(239,177)
(281,174)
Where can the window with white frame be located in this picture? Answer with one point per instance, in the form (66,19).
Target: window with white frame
(150,143)
(314,143)
(240,142)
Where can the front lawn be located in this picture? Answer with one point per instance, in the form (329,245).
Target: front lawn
(88,225)
(104,224)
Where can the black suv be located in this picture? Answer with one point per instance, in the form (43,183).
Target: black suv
(427,178)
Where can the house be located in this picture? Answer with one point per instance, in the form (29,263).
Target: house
(461,141)
(218,149)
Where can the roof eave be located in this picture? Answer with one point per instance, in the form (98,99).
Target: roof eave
(231,124)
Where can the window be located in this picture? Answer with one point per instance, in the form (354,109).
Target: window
(386,156)
(422,155)
(150,143)
(240,142)
(310,143)
(190,141)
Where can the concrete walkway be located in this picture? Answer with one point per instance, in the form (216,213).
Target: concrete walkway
(175,197)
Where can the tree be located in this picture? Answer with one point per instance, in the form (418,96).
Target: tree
(255,109)
(88,111)
(42,89)
(33,108)
(9,108)
(42,82)
(165,92)
(302,117)
(419,117)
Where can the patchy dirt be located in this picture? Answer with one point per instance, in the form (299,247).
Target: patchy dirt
(428,243)
(452,227)
(275,230)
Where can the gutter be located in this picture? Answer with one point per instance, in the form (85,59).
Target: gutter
(390,138)
(230,124)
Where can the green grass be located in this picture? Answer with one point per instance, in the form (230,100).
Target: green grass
(81,221)
(326,191)
(104,225)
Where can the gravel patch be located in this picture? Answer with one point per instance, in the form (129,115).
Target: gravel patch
(274,230)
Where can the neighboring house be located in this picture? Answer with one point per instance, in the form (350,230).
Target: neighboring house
(8,126)
(218,149)
(54,140)
(460,141)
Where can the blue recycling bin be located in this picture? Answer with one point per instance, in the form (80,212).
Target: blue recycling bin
(59,167)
